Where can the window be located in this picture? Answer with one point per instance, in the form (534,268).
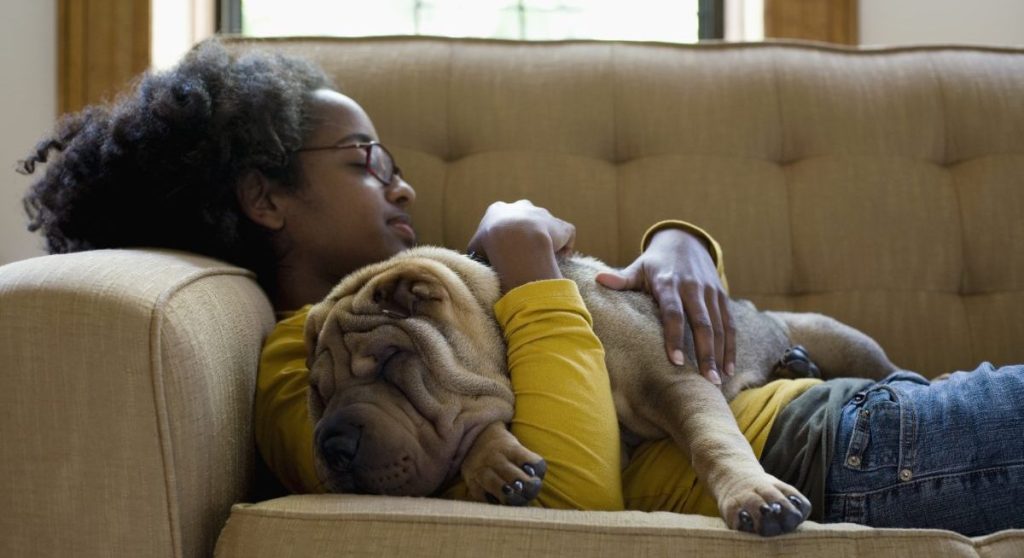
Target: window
(684,21)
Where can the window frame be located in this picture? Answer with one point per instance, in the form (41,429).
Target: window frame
(710,15)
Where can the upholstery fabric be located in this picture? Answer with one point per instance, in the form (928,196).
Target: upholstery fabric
(127,401)
(388,526)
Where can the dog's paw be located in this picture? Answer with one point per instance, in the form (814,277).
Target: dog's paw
(499,470)
(765,506)
(517,492)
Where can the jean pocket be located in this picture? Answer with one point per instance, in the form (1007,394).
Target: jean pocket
(875,441)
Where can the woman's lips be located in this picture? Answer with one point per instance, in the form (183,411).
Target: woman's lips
(403,226)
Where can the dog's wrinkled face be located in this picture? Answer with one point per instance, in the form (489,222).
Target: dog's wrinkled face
(406,367)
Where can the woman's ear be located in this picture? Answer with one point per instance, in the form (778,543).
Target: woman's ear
(256,196)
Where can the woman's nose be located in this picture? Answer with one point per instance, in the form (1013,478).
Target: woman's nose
(401,192)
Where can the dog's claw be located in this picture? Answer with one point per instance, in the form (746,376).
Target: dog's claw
(746,521)
(518,493)
(770,525)
(776,518)
(774,508)
(538,469)
(532,489)
(791,520)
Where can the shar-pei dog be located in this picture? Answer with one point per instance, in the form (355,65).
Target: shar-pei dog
(409,386)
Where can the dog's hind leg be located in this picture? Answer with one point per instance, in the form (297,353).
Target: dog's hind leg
(836,348)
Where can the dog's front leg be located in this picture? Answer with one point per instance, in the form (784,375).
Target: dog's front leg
(700,421)
(500,470)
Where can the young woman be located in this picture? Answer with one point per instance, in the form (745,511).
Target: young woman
(257,160)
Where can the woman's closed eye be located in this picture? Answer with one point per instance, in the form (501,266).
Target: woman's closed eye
(358,165)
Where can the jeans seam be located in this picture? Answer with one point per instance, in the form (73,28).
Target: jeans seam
(908,435)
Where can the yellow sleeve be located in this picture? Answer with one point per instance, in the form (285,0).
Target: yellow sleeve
(713,247)
(564,409)
(284,432)
(659,476)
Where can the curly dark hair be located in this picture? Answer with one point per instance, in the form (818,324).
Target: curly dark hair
(159,165)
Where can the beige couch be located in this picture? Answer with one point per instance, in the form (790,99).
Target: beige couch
(884,187)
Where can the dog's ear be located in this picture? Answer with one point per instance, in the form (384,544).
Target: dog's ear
(404,292)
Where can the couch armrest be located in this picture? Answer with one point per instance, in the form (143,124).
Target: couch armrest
(126,390)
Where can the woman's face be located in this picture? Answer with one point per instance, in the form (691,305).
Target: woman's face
(343,217)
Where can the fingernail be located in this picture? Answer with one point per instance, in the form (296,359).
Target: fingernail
(714,377)
(730,369)
(677,358)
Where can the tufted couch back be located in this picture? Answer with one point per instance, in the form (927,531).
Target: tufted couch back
(884,187)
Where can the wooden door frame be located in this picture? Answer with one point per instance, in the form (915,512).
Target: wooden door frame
(832,21)
(101,46)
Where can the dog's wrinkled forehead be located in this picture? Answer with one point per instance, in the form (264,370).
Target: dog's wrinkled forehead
(479,280)
(431,307)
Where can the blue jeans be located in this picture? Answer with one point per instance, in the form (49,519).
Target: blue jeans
(946,455)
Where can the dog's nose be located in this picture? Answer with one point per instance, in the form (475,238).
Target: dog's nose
(339,446)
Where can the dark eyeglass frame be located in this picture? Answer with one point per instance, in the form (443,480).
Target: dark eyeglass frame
(367,147)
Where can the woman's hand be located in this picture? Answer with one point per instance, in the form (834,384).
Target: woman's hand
(677,270)
(522,241)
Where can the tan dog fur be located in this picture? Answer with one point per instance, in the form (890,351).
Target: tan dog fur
(408,364)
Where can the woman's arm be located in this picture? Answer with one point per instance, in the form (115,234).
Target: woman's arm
(563,405)
(563,408)
(682,268)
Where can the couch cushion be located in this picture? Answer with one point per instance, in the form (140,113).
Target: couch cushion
(333,525)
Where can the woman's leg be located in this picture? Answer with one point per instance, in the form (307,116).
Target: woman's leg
(947,455)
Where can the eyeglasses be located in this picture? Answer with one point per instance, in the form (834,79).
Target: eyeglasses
(379,161)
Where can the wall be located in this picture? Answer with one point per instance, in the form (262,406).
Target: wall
(28,62)
(991,22)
